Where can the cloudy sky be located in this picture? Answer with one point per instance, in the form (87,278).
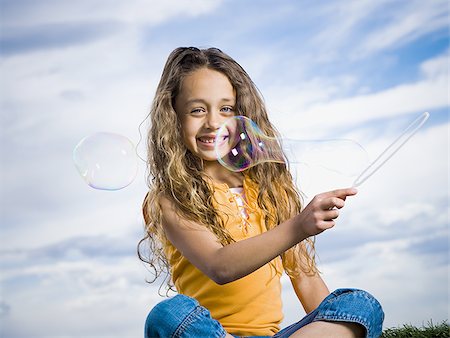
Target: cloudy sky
(327,69)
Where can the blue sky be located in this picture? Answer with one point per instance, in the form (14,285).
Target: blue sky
(329,69)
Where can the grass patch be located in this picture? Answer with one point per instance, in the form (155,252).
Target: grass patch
(428,331)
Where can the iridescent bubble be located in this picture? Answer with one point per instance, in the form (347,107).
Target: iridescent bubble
(106,161)
(246,146)
(317,165)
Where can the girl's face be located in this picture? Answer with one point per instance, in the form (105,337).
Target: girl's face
(206,100)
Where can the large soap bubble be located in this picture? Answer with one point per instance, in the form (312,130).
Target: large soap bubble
(106,161)
(246,146)
(316,165)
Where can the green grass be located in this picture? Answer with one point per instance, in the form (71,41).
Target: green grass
(429,331)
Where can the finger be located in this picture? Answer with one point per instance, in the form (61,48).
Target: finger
(332,202)
(330,214)
(324,225)
(342,193)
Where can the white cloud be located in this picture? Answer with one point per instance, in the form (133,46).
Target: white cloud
(362,28)
(318,120)
(79,299)
(400,281)
(415,20)
(344,22)
(136,11)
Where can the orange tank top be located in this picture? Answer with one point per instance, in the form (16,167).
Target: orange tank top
(250,306)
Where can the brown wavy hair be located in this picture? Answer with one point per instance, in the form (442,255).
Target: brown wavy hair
(174,172)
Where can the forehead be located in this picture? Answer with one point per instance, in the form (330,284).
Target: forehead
(203,83)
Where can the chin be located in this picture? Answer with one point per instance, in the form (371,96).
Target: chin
(209,158)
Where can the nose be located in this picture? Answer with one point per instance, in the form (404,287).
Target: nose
(213,120)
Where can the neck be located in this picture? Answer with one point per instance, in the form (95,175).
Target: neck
(220,174)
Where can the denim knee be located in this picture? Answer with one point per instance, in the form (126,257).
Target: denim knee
(165,317)
(181,316)
(356,306)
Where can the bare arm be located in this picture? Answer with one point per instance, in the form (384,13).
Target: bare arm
(224,264)
(310,290)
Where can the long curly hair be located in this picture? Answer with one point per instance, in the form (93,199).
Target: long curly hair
(174,172)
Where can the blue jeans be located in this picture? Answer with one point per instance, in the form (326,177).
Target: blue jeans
(183,317)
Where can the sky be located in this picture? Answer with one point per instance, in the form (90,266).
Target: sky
(359,70)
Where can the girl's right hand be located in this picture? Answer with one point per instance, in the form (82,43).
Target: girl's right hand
(320,213)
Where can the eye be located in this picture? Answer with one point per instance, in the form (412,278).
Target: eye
(197,111)
(227,110)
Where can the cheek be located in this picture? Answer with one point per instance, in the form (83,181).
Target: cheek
(188,133)
(189,127)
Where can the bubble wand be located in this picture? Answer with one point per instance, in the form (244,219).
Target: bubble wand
(391,150)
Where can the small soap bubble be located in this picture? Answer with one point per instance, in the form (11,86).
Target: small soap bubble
(106,161)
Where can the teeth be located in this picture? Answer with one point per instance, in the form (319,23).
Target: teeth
(209,139)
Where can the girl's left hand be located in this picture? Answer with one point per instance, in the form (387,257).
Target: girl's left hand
(320,213)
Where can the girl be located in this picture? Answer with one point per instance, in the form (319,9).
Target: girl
(226,237)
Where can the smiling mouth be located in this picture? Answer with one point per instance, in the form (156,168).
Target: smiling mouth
(210,140)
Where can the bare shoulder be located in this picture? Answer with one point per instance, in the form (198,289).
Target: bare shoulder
(195,241)
(172,218)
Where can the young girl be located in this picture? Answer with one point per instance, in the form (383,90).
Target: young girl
(226,237)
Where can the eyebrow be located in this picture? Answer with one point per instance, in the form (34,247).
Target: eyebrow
(195,100)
